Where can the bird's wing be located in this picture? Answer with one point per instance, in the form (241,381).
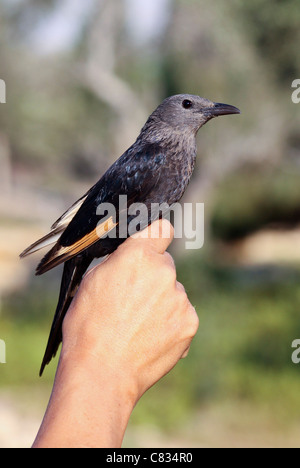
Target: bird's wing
(134,176)
(56,230)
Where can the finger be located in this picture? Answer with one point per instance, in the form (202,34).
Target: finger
(169,259)
(192,322)
(180,286)
(185,354)
(160,234)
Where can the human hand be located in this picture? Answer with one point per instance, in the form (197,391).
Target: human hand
(128,326)
(132,313)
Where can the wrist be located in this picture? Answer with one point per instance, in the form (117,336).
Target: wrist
(100,371)
(90,403)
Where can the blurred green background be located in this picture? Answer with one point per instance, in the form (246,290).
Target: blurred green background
(81,79)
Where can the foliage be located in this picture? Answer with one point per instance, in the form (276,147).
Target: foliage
(274,29)
(265,198)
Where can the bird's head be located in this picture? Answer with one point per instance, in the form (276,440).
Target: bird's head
(185,112)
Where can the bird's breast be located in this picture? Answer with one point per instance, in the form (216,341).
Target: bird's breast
(174,179)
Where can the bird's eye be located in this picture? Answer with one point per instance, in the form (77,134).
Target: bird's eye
(187,104)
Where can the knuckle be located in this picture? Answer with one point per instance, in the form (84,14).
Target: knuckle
(193,321)
(180,288)
(181,296)
(168,274)
(185,354)
(169,259)
(133,253)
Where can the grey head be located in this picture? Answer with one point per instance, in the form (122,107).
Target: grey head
(188,113)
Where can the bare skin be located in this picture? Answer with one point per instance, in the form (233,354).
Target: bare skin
(128,326)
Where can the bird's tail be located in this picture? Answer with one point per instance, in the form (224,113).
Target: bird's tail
(74,270)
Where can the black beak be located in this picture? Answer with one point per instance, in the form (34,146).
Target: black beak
(223,109)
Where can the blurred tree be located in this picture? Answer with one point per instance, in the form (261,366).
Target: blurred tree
(103,49)
(274,29)
(22,15)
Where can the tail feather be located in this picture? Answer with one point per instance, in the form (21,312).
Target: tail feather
(74,270)
(46,241)
(56,230)
(49,261)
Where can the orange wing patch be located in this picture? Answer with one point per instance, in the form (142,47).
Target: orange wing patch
(88,240)
(61,254)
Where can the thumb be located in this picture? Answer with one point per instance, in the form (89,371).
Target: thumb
(160,234)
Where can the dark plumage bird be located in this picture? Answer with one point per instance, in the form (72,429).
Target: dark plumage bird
(155,169)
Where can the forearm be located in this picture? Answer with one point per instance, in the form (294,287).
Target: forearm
(90,405)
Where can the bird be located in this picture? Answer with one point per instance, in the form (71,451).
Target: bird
(156,169)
